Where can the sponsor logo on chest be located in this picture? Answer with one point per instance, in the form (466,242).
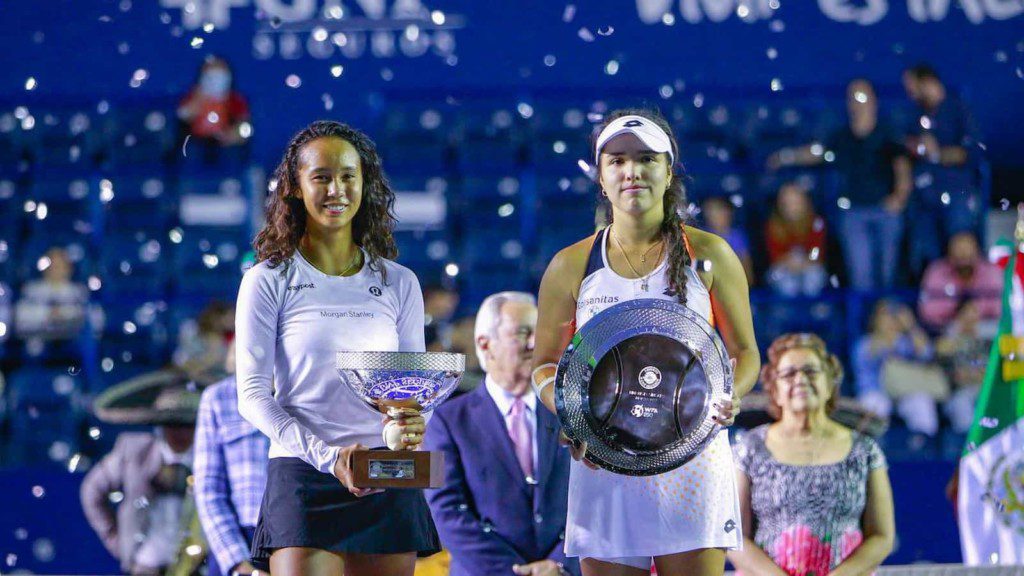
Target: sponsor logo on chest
(335,314)
(595,301)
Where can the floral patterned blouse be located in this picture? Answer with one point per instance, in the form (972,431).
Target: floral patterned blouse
(807,518)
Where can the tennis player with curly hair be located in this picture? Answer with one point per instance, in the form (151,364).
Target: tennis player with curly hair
(324,281)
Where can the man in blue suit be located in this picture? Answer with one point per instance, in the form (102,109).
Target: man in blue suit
(503,506)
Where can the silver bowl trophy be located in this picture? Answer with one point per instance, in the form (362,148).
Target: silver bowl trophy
(637,384)
(396,384)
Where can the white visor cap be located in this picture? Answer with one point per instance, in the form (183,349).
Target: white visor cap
(648,132)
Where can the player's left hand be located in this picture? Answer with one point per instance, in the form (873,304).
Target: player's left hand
(728,409)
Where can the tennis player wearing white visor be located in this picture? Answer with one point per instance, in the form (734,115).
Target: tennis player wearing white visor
(684,519)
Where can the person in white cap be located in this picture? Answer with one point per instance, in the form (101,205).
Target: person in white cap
(684,519)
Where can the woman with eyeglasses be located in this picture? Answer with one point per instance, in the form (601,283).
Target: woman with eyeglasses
(814,494)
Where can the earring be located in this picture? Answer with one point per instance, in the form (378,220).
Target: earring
(604,193)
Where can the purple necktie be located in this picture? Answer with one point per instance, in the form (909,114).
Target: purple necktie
(522,436)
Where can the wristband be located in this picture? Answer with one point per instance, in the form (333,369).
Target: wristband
(539,388)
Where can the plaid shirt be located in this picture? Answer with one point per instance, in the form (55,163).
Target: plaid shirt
(230,472)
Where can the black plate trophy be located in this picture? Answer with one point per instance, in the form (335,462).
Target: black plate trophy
(397,383)
(637,384)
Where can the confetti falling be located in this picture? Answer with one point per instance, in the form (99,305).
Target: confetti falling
(566,61)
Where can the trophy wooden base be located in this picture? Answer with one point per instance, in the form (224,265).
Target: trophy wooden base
(398,469)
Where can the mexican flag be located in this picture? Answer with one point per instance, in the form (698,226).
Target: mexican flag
(990,502)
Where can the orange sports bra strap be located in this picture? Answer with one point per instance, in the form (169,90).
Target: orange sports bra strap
(693,262)
(686,242)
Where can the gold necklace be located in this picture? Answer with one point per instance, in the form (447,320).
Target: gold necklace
(643,259)
(355,260)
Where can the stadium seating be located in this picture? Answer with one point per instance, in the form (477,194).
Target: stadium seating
(45,414)
(503,185)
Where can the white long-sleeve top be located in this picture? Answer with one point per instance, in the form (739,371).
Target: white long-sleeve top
(289,323)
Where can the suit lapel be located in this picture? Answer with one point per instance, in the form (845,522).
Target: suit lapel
(495,434)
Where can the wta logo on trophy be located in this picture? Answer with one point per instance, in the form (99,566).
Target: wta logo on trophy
(641,411)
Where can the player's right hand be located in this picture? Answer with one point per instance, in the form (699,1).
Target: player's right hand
(578,450)
(343,471)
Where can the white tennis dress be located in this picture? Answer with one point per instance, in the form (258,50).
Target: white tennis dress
(694,506)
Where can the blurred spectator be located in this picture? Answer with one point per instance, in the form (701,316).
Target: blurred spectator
(795,236)
(439,304)
(53,311)
(964,275)
(502,424)
(464,342)
(964,349)
(718,218)
(894,359)
(814,495)
(151,472)
(944,145)
(230,476)
(214,114)
(203,343)
(875,179)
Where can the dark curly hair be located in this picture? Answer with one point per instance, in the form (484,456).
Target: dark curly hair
(286,214)
(800,341)
(674,201)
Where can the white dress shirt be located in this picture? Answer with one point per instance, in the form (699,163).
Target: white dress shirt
(504,401)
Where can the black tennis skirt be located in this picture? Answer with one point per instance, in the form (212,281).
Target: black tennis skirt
(307,508)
